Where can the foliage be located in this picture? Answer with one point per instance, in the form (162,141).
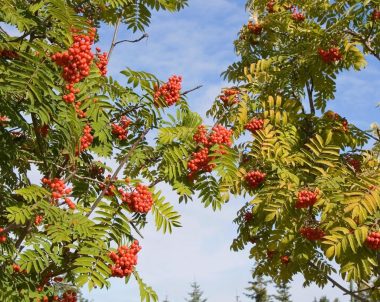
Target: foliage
(57,235)
(196,294)
(290,54)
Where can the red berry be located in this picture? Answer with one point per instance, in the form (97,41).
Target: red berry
(230,96)
(306,199)
(255,178)
(255,28)
(124,260)
(373,241)
(270,254)
(16,268)
(120,130)
(254,125)
(140,200)
(270,7)
(169,91)
(312,233)
(331,55)
(248,216)
(285,259)
(298,17)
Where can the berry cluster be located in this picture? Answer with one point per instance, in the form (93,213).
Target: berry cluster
(120,130)
(96,171)
(4,120)
(285,259)
(102,61)
(373,241)
(270,7)
(80,112)
(86,139)
(255,178)
(69,296)
(256,28)
(345,125)
(298,17)
(124,260)
(312,233)
(200,162)
(354,163)
(331,55)
(306,199)
(8,54)
(140,200)
(76,62)
(376,15)
(270,254)
(111,188)
(230,96)
(3,236)
(200,136)
(44,130)
(220,135)
(38,219)
(170,91)
(248,216)
(16,268)
(59,190)
(254,125)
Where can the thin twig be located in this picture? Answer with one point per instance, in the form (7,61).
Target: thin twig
(71,175)
(121,165)
(364,290)
(341,287)
(191,90)
(367,134)
(145,35)
(10,227)
(364,41)
(309,88)
(115,32)
(136,229)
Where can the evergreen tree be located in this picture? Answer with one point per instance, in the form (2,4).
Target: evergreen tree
(283,294)
(325,299)
(196,294)
(257,290)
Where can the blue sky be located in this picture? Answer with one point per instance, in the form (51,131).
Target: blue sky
(197,44)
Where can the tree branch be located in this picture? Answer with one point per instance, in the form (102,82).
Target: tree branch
(341,287)
(10,227)
(364,41)
(191,90)
(121,165)
(145,35)
(115,32)
(310,88)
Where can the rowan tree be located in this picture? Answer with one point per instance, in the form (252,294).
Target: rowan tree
(309,177)
(66,218)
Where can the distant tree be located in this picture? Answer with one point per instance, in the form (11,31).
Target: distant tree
(325,299)
(257,290)
(283,294)
(196,294)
